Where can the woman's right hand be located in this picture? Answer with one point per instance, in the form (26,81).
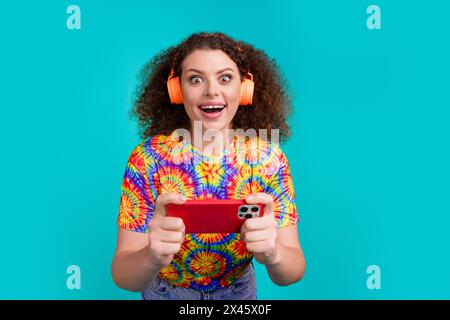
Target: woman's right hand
(166,234)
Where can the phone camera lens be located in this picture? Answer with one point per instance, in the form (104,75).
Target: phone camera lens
(255,209)
(248,216)
(244,209)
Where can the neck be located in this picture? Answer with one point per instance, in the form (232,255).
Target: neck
(212,141)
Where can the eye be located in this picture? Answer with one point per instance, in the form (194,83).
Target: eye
(227,77)
(195,79)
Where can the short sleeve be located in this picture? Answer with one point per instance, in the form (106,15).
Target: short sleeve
(137,199)
(281,187)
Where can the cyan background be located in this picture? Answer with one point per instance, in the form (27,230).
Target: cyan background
(369,151)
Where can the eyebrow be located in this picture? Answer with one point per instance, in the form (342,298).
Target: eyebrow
(220,71)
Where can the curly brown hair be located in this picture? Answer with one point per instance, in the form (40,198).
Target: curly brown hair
(271,105)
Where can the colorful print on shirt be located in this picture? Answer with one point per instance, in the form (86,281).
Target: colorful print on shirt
(161,164)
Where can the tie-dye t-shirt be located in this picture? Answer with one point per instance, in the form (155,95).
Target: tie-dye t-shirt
(161,164)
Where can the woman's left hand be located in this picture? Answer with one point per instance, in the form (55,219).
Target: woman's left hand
(261,234)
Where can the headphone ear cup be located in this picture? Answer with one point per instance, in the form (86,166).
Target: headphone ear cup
(174,89)
(246,96)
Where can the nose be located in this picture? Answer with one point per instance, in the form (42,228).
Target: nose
(211,89)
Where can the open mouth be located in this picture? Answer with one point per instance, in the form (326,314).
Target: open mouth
(212,108)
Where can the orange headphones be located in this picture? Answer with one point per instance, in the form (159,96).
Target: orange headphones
(246,94)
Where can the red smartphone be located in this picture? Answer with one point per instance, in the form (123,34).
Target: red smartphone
(214,216)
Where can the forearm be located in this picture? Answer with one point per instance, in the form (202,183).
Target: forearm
(133,271)
(289,267)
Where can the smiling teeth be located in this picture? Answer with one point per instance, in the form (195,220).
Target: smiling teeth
(212,107)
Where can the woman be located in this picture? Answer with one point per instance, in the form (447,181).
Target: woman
(206,83)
